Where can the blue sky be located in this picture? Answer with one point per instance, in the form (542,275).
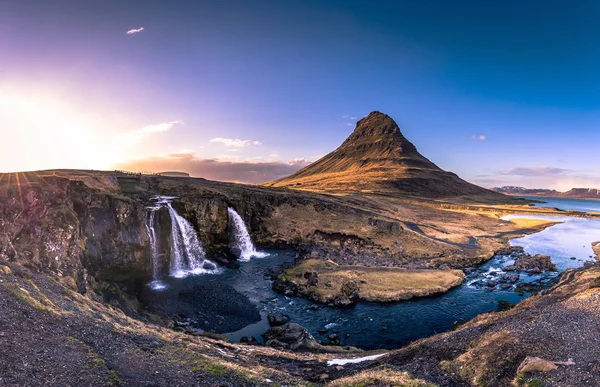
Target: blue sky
(498,92)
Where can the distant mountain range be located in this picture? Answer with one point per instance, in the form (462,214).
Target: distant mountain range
(575,193)
(377,158)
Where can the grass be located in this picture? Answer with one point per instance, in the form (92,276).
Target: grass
(527,223)
(380,377)
(380,284)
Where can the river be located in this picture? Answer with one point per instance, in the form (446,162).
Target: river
(389,326)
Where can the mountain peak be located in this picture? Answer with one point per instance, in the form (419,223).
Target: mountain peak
(379,128)
(377,158)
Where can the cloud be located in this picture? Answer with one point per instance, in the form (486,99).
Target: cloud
(237,143)
(251,172)
(163,127)
(131,138)
(134,31)
(481,137)
(534,171)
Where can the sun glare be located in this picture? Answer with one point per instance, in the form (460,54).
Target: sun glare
(45,132)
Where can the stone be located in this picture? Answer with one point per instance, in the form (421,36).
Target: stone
(291,337)
(276,320)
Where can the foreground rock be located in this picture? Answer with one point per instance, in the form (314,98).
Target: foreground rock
(340,286)
(295,337)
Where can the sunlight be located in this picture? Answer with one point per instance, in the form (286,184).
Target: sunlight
(45,132)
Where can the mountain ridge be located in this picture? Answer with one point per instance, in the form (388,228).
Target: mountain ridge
(573,193)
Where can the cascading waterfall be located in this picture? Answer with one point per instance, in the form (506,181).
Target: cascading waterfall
(151,229)
(187,254)
(241,237)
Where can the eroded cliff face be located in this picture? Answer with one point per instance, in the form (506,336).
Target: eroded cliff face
(72,228)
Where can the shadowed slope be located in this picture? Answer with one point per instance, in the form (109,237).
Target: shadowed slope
(376,157)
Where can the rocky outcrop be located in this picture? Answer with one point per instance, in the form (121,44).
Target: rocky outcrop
(68,227)
(534,264)
(291,337)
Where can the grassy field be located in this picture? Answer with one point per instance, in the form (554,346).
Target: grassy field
(379,284)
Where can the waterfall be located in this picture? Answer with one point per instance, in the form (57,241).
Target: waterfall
(156,284)
(187,254)
(241,237)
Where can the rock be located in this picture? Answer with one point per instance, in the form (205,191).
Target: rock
(235,251)
(249,340)
(512,278)
(313,307)
(534,264)
(536,364)
(312,278)
(276,320)
(291,336)
(334,339)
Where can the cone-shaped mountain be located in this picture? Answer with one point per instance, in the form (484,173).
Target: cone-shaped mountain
(377,158)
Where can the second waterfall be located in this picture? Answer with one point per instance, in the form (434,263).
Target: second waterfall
(241,237)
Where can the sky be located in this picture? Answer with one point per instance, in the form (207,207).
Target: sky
(502,93)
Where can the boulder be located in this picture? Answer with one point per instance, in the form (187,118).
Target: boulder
(291,337)
(276,319)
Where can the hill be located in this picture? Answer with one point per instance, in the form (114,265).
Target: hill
(377,158)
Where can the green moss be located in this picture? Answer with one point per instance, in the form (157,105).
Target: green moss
(535,383)
(215,369)
(480,382)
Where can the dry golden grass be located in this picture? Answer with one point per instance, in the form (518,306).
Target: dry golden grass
(379,284)
(381,377)
(527,223)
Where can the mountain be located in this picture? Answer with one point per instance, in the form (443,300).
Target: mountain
(581,193)
(377,158)
(522,191)
(574,193)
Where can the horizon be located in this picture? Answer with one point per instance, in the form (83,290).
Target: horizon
(253,92)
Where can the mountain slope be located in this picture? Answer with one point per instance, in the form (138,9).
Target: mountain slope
(377,158)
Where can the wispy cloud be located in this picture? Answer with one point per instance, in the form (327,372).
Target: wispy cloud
(480,137)
(130,138)
(244,171)
(534,171)
(134,31)
(235,142)
(157,128)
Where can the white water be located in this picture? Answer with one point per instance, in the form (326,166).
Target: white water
(241,237)
(187,255)
(156,284)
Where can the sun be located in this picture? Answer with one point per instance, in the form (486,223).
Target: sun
(43,131)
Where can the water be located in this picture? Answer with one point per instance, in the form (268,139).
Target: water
(567,204)
(241,238)
(187,255)
(570,239)
(389,326)
(151,230)
(367,325)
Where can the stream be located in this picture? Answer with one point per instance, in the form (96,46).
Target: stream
(372,325)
